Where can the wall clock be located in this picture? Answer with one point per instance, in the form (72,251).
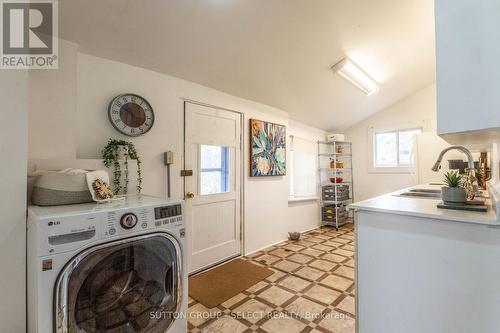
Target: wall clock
(131,114)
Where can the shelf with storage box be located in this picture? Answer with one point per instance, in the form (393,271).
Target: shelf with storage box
(326,154)
(337,201)
(335,179)
(340,170)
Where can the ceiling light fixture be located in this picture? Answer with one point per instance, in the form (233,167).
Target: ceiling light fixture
(354,74)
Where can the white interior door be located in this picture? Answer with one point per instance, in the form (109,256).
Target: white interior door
(213,192)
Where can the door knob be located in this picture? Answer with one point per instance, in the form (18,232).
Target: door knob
(189,195)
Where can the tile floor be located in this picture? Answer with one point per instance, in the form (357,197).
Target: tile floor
(312,290)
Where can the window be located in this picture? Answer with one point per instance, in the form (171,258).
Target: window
(394,149)
(302,167)
(214,169)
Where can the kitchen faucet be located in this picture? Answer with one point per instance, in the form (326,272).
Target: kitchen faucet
(464,150)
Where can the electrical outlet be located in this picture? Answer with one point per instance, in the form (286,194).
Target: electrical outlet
(168,157)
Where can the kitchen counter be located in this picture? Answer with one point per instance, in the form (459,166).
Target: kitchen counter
(395,203)
(424,269)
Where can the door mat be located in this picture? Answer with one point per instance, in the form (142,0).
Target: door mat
(217,285)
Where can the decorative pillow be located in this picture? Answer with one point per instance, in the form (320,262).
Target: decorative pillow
(66,187)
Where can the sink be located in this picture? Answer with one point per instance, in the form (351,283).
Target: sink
(425,190)
(431,195)
(422,193)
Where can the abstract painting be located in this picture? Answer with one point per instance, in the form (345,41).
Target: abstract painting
(267,149)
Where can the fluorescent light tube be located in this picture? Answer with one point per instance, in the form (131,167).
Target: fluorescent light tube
(354,74)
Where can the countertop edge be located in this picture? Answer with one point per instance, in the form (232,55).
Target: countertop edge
(425,215)
(366,205)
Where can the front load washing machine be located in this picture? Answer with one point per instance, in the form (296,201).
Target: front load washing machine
(115,267)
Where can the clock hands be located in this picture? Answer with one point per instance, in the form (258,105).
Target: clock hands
(129,114)
(134,115)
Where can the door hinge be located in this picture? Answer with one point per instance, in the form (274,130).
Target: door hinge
(186,173)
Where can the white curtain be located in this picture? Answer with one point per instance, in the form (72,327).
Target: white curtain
(303,167)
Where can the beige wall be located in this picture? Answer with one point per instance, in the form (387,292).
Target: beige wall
(13,152)
(80,130)
(416,109)
(52,101)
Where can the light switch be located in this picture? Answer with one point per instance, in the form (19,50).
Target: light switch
(168,157)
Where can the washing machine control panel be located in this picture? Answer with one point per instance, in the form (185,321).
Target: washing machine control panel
(125,221)
(128,220)
(122,222)
(64,229)
(168,215)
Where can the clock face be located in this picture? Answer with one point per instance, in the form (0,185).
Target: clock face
(131,114)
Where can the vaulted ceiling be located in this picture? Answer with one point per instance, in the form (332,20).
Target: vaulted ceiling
(276,52)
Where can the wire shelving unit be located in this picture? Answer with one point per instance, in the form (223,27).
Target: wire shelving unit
(335,182)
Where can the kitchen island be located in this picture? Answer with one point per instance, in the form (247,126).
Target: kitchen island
(424,269)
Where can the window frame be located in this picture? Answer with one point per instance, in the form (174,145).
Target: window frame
(399,168)
(291,175)
(224,170)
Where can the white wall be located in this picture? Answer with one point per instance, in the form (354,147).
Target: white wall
(13,152)
(85,130)
(304,215)
(54,92)
(416,109)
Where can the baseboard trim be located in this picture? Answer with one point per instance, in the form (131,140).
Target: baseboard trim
(281,241)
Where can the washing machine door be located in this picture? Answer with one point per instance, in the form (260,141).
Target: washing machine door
(131,285)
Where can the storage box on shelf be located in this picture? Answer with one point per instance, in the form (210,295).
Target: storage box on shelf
(335,193)
(334,212)
(335,179)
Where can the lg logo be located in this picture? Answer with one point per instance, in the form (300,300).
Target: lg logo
(28,30)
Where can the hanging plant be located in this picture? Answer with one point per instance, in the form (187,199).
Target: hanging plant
(111,157)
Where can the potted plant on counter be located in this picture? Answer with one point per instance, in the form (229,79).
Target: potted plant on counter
(454,193)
